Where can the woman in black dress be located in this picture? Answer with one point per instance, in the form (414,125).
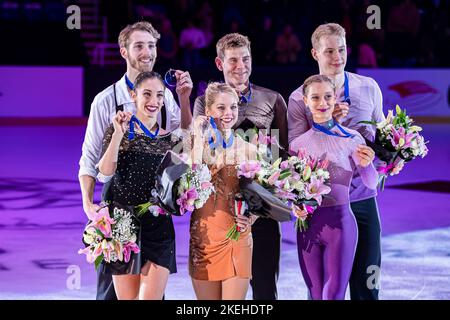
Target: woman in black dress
(132,160)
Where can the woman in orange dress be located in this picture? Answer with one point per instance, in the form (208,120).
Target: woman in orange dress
(220,268)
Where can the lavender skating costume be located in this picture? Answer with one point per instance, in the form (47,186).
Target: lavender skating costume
(366,103)
(326,250)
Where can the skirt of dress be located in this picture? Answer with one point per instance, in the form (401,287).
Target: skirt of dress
(212,256)
(156,239)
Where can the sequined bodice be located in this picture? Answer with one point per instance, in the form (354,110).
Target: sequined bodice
(137,163)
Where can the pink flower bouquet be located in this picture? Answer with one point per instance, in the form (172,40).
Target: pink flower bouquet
(299,181)
(194,188)
(110,239)
(397,136)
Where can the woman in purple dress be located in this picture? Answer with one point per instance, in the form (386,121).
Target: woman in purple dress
(327,248)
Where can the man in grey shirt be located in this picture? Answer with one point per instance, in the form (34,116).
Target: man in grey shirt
(137,44)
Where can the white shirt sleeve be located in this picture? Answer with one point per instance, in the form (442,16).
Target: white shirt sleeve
(173,111)
(102,178)
(92,145)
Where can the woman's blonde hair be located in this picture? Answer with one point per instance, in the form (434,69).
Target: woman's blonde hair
(213,90)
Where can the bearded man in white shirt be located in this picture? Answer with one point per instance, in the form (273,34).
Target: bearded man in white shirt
(137,44)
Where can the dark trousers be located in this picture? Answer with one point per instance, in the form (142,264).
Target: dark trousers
(266,259)
(364,279)
(105,285)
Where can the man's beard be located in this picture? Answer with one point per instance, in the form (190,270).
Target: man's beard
(141,67)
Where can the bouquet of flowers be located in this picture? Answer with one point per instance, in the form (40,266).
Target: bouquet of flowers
(194,188)
(262,141)
(110,237)
(300,181)
(396,135)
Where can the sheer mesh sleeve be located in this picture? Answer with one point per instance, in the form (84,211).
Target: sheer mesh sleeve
(105,143)
(107,139)
(124,145)
(369,175)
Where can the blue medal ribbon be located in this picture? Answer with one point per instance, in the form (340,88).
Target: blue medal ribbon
(130,84)
(331,133)
(346,90)
(246,99)
(147,132)
(219,137)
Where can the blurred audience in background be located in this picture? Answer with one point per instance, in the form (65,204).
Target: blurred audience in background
(414,33)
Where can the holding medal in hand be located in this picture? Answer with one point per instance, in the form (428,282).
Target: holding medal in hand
(120,122)
(133,149)
(220,247)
